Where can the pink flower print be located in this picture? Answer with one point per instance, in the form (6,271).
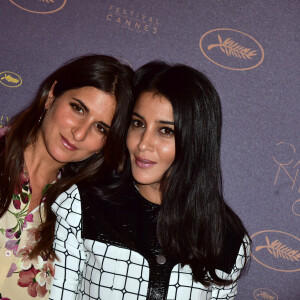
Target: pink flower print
(9,233)
(23,179)
(17,234)
(17,203)
(12,269)
(46,275)
(27,279)
(26,262)
(25,198)
(28,218)
(12,245)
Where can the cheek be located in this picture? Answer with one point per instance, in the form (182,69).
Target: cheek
(131,141)
(95,144)
(167,153)
(48,123)
(61,115)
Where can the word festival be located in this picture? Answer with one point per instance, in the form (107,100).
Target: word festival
(132,20)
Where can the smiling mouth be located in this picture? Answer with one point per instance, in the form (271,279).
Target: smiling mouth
(67,144)
(144,163)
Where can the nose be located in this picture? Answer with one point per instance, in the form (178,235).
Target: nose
(147,141)
(80,131)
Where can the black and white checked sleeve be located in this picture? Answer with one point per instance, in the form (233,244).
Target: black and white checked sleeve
(230,291)
(67,245)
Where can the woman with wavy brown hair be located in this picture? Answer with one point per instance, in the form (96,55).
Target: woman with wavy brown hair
(78,117)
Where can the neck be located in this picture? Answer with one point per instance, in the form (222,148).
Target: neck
(150,192)
(39,164)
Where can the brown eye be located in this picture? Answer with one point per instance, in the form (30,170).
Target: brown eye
(166,131)
(77,108)
(137,123)
(100,128)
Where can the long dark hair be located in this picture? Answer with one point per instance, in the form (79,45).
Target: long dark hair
(100,71)
(194,221)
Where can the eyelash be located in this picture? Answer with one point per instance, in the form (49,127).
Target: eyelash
(165,131)
(137,123)
(101,129)
(77,108)
(169,130)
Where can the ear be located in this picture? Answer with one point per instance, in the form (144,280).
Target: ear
(50,97)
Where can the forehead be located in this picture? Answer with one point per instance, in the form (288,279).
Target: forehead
(151,104)
(90,94)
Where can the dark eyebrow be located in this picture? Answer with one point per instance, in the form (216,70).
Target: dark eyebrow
(105,125)
(160,121)
(166,122)
(81,103)
(139,116)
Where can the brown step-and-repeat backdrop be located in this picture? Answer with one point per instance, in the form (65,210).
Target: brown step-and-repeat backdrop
(250,50)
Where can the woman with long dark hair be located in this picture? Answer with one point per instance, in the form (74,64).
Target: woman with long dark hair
(55,142)
(160,227)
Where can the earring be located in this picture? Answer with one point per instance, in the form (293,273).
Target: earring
(42,116)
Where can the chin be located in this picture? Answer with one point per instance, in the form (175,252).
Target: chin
(144,181)
(60,157)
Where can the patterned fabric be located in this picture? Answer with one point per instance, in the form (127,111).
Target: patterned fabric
(20,275)
(89,269)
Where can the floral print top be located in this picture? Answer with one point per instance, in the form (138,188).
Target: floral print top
(22,277)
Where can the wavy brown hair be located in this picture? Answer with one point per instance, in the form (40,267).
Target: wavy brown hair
(100,71)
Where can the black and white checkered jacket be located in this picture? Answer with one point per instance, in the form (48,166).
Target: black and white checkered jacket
(110,252)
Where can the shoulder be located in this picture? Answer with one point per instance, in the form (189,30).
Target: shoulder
(68,205)
(234,252)
(237,264)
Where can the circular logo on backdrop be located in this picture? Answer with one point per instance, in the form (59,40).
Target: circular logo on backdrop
(265,294)
(276,250)
(231,49)
(40,6)
(10,79)
(296,208)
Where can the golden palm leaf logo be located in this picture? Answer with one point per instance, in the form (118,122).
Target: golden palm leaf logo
(9,78)
(265,295)
(231,48)
(278,250)
(271,252)
(48,1)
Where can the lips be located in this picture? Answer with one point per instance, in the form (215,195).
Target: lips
(67,144)
(144,163)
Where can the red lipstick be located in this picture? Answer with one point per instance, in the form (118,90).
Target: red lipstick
(67,144)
